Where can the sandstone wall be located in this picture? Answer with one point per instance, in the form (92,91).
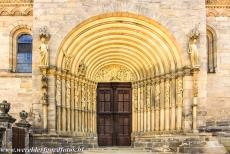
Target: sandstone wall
(219,83)
(179,17)
(15,87)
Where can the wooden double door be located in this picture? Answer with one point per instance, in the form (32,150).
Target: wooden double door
(114,114)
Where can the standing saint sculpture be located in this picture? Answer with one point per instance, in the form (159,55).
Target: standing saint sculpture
(44,49)
(67,60)
(192,47)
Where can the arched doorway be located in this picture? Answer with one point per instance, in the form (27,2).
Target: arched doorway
(120,47)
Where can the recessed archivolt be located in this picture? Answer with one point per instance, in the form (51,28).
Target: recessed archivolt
(136,42)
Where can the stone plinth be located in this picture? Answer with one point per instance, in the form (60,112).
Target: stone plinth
(6,122)
(55,141)
(184,143)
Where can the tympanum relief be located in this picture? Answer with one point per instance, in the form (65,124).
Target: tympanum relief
(115,73)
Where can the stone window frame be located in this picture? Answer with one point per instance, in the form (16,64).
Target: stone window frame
(211,50)
(14,35)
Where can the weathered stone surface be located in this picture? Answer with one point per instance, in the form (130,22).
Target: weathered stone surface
(181,143)
(23,90)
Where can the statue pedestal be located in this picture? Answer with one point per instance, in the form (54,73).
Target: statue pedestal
(23,124)
(6,122)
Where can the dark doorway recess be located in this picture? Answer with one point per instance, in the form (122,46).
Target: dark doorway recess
(114,114)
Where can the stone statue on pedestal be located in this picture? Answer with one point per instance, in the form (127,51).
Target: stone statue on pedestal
(192,47)
(44,49)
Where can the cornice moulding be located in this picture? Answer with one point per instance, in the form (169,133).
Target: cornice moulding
(218,4)
(16,7)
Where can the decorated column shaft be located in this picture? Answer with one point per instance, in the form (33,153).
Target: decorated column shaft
(157,105)
(152,99)
(135,108)
(58,100)
(148,105)
(167,102)
(179,102)
(195,72)
(44,65)
(162,105)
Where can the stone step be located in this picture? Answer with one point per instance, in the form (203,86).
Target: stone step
(115,150)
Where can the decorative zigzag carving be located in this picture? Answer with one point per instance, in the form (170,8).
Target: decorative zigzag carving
(16,7)
(217,3)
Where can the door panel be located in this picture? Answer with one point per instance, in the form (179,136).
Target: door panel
(18,139)
(105,130)
(104,118)
(114,114)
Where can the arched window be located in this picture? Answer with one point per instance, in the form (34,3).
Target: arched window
(24,54)
(211,50)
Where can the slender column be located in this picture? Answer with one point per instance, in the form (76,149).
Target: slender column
(167,102)
(58,101)
(152,105)
(76,102)
(139,107)
(63,115)
(93,104)
(44,97)
(157,105)
(68,100)
(148,105)
(83,105)
(179,102)
(173,104)
(135,118)
(80,106)
(94,108)
(72,106)
(144,106)
(195,72)
(86,106)
(89,107)
(162,106)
